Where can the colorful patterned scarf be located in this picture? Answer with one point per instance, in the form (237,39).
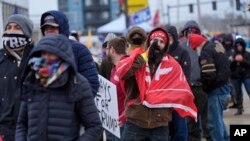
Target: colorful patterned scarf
(47,72)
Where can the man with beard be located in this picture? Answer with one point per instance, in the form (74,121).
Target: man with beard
(178,126)
(116,51)
(155,86)
(17,43)
(106,65)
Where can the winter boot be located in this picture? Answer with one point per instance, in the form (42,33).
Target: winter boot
(240,109)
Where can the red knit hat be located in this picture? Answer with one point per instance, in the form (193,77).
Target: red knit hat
(195,40)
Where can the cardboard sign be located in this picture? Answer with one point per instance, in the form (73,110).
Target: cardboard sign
(106,102)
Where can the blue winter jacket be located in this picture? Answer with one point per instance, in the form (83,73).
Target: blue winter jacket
(56,112)
(84,61)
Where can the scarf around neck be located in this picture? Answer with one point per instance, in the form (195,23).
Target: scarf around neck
(46,72)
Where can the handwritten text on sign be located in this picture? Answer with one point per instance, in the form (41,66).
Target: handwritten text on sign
(106,102)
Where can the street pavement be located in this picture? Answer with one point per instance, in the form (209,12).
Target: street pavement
(243,119)
(231,119)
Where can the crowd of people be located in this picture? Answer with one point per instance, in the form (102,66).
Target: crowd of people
(170,86)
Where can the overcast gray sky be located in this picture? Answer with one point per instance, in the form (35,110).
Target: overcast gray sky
(37,7)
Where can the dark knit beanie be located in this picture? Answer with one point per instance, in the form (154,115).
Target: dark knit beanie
(25,23)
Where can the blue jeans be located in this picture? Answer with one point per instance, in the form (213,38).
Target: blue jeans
(216,103)
(135,133)
(112,137)
(238,84)
(179,130)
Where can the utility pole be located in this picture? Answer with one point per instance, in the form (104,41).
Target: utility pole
(178,13)
(199,13)
(162,12)
(168,10)
(126,13)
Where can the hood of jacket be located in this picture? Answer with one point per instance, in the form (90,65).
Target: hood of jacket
(58,45)
(191,24)
(172,31)
(60,18)
(148,41)
(136,30)
(241,42)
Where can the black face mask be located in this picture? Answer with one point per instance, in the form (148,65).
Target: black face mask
(228,46)
(137,41)
(15,41)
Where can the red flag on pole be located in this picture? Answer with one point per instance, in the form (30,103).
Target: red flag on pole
(156,19)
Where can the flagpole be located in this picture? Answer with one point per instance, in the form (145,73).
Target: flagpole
(126,13)
(15,8)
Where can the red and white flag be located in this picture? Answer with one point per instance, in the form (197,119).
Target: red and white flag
(167,89)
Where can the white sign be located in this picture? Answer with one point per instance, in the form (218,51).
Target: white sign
(140,16)
(106,102)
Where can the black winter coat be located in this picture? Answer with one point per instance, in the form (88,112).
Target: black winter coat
(182,57)
(9,91)
(56,112)
(215,68)
(240,70)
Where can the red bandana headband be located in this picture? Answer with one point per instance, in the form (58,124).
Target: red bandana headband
(160,34)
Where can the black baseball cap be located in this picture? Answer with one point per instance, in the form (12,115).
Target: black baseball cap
(50,20)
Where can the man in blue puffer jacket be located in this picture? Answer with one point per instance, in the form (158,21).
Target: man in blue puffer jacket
(55,22)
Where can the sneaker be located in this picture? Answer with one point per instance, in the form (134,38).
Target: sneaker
(225,110)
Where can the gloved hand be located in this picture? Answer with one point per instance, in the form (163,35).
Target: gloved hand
(151,53)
